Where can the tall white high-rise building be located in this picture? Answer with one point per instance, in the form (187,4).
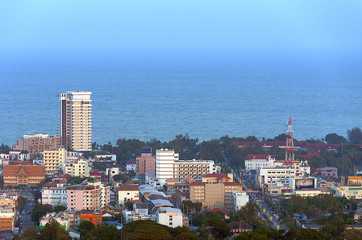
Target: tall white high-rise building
(76,120)
(165,160)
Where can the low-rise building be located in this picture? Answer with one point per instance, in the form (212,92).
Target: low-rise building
(131,165)
(329,172)
(312,192)
(240,200)
(7,216)
(257,161)
(171,217)
(271,175)
(15,175)
(127,192)
(60,217)
(354,192)
(91,216)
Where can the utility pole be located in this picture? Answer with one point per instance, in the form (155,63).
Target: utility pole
(342,159)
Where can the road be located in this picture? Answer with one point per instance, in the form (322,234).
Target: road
(25,221)
(265,212)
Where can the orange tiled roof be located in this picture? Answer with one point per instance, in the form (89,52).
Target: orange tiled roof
(31,170)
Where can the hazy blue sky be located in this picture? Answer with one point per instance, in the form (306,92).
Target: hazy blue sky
(264,25)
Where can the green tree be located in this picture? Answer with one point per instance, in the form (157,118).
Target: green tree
(121,178)
(187,206)
(248,213)
(59,208)
(281,137)
(146,229)
(53,231)
(186,236)
(219,229)
(304,234)
(211,150)
(355,135)
(21,203)
(352,234)
(39,210)
(4,148)
(37,194)
(184,145)
(334,138)
(85,227)
(31,233)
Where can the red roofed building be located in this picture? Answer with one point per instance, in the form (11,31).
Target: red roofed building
(216,177)
(225,213)
(238,227)
(23,175)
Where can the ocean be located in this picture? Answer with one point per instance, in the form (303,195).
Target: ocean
(206,96)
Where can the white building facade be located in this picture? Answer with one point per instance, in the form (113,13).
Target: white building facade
(240,200)
(57,195)
(170,217)
(256,164)
(165,160)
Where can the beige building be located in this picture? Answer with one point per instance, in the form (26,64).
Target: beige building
(76,120)
(78,168)
(214,194)
(54,159)
(193,168)
(36,143)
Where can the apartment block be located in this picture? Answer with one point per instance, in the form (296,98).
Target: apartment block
(84,197)
(214,194)
(169,166)
(76,120)
(105,193)
(54,194)
(146,163)
(77,168)
(7,219)
(36,143)
(54,159)
(165,160)
(194,168)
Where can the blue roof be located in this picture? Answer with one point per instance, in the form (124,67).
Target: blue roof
(113,223)
(146,150)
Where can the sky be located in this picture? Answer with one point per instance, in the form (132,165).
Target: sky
(187,25)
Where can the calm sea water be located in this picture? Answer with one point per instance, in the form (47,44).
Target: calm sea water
(205,96)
